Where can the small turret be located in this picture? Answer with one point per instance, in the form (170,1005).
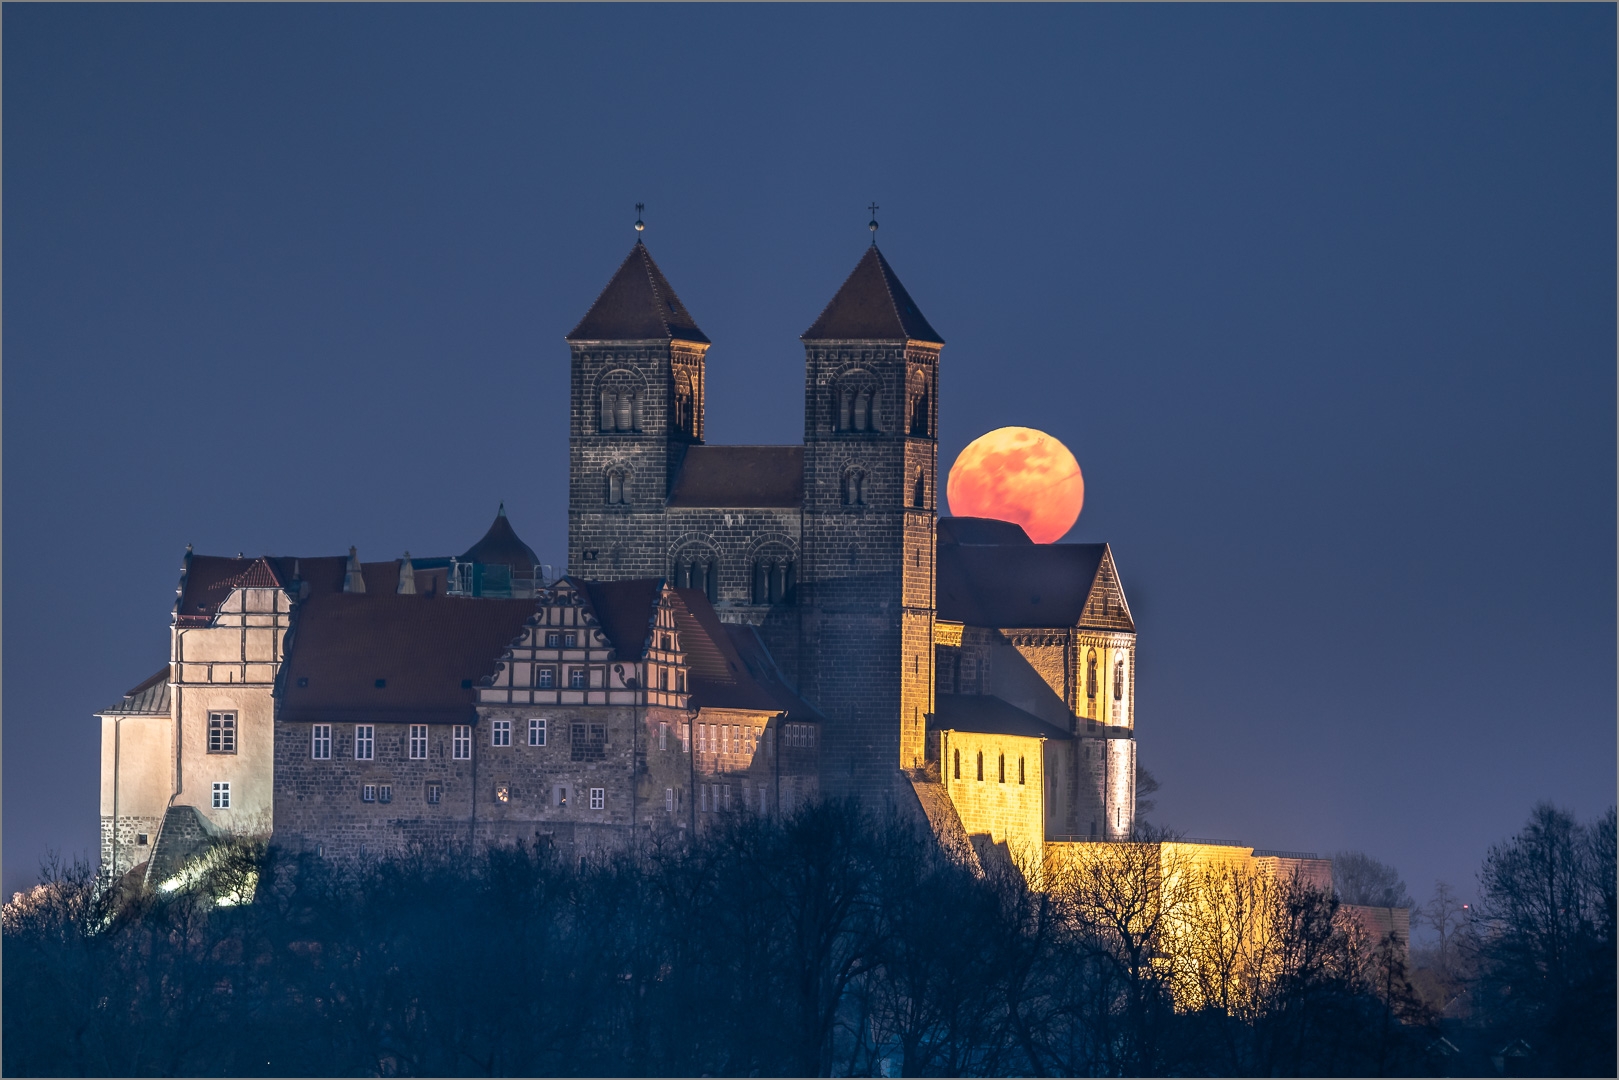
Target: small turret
(353,579)
(499,565)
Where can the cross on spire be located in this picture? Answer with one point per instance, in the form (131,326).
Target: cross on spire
(639,224)
(873,223)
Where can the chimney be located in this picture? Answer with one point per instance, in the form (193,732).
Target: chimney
(407,577)
(353,579)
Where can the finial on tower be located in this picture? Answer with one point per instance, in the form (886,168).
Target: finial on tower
(640,226)
(872,225)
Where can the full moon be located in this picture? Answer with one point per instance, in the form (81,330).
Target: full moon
(1018,474)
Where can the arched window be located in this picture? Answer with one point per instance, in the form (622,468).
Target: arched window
(919,413)
(627,413)
(1118,679)
(862,409)
(980,766)
(711,581)
(958,764)
(1003,768)
(615,488)
(774,580)
(845,409)
(609,408)
(1090,676)
(919,497)
(1020,770)
(854,488)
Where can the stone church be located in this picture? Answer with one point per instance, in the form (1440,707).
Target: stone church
(739,629)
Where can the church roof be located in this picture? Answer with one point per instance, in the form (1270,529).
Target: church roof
(986,714)
(638,304)
(381,656)
(977,530)
(1013,586)
(872,306)
(740,476)
(500,545)
(149,698)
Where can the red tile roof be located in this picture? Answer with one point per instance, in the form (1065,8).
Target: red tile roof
(872,306)
(638,304)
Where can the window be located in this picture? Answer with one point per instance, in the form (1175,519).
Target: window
(500,733)
(140,839)
(222,733)
(536,732)
(222,795)
(576,678)
(854,488)
(368,793)
(598,798)
(570,641)
(1118,679)
(1120,822)
(919,493)
(418,741)
(1090,677)
(958,764)
(685,738)
(703,804)
(680,680)
(385,793)
(615,488)
(702,738)
(663,678)
(559,796)
(545,678)
(1020,770)
(980,766)
(435,794)
(668,800)
(320,741)
(589,742)
(774,580)
(365,742)
(553,640)
(727,795)
(663,736)
(503,793)
(461,742)
(1003,768)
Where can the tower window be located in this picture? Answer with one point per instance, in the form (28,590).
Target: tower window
(980,766)
(919,414)
(222,733)
(854,488)
(919,493)
(615,488)
(1118,679)
(1090,676)
(958,764)
(1003,769)
(1020,770)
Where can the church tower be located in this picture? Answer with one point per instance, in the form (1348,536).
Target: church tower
(871,391)
(637,406)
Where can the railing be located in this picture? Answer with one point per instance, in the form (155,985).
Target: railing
(1273,853)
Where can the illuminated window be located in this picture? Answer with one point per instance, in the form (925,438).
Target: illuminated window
(222,795)
(320,741)
(576,678)
(503,793)
(980,766)
(1090,677)
(1020,770)
(418,741)
(536,732)
(500,733)
(222,733)
(598,798)
(958,764)
(365,742)
(559,796)
(461,742)
(435,794)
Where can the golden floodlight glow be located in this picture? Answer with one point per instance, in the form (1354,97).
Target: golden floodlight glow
(1018,474)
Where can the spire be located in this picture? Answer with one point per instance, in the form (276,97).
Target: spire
(353,578)
(872,306)
(639,304)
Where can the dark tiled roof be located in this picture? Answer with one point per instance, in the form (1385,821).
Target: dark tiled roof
(624,610)
(720,678)
(872,306)
(500,545)
(976,530)
(764,670)
(1008,586)
(989,715)
(209,580)
(423,647)
(150,698)
(740,476)
(638,305)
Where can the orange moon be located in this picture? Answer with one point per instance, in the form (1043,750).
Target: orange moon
(1018,474)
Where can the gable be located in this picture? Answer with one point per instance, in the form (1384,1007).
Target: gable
(1106,608)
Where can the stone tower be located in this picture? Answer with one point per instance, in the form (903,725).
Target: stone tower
(871,382)
(638,383)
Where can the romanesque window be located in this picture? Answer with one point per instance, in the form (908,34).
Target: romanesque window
(365,742)
(620,411)
(857,405)
(222,795)
(774,580)
(500,733)
(616,488)
(685,405)
(461,742)
(320,741)
(919,492)
(854,488)
(222,733)
(536,732)
(919,412)
(1003,769)
(1118,679)
(418,741)
(700,572)
(980,766)
(1090,676)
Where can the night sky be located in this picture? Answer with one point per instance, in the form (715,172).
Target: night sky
(1321,297)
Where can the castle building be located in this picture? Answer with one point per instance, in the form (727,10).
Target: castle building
(740,629)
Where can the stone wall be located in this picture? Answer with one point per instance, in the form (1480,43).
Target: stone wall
(1009,812)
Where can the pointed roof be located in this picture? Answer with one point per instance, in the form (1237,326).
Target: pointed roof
(639,304)
(501,545)
(872,306)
